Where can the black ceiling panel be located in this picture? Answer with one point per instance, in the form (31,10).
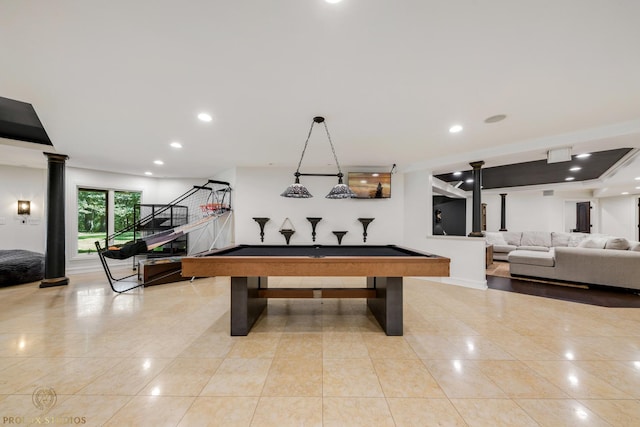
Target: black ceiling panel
(539,171)
(18,120)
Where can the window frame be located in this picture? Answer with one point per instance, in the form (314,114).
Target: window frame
(110,215)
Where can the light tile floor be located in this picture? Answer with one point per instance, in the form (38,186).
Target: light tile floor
(162,356)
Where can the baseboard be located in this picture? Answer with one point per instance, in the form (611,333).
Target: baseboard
(458,281)
(79,266)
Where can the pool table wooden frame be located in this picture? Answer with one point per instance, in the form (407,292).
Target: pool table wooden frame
(250,291)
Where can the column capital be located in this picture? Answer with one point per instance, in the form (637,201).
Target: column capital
(52,157)
(477,165)
(503,195)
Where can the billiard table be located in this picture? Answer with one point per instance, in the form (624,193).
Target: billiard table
(249,267)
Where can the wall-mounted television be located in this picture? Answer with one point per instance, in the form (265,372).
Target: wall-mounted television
(370,185)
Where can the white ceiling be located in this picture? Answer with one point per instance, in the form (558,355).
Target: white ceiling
(114,82)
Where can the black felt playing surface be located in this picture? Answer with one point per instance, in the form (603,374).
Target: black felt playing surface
(318,251)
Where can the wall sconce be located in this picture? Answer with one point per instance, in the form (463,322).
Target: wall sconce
(299,191)
(24,207)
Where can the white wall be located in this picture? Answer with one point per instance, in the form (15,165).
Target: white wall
(619,216)
(418,207)
(21,183)
(467,254)
(257,194)
(531,211)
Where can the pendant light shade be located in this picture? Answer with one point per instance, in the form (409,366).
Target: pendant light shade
(296,191)
(340,191)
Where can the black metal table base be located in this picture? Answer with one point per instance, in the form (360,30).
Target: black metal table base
(387,305)
(247,305)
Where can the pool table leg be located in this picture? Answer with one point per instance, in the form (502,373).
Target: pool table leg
(246,306)
(387,305)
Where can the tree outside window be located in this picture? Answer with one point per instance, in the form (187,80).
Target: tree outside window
(97,218)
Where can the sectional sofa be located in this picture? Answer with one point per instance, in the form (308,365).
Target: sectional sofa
(574,257)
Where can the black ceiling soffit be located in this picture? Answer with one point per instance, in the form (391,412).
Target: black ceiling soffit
(539,172)
(19,121)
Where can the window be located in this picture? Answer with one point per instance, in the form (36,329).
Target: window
(104,212)
(124,205)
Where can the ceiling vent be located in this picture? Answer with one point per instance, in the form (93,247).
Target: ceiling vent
(547,192)
(559,155)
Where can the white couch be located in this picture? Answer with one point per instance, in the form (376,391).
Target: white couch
(505,242)
(577,258)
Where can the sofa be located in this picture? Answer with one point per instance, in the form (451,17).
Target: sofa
(574,257)
(504,242)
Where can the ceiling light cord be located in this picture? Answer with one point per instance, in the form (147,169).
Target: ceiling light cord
(297,174)
(333,150)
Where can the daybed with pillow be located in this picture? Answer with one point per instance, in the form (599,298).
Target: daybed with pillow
(19,266)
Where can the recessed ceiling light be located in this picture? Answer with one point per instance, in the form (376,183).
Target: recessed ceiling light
(364,181)
(457,173)
(148,173)
(375,174)
(496,118)
(455,129)
(205,117)
(158,162)
(333,1)
(176,144)
(569,178)
(469,181)
(583,155)
(637,178)
(624,193)
(637,188)
(575,168)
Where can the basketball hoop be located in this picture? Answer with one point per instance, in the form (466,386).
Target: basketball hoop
(212,209)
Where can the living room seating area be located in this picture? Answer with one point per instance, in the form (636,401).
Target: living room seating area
(573,257)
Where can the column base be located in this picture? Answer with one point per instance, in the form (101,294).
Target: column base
(57,281)
(503,229)
(476,234)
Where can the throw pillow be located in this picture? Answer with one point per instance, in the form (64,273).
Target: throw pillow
(593,243)
(576,238)
(560,239)
(619,243)
(512,237)
(494,238)
(634,246)
(536,238)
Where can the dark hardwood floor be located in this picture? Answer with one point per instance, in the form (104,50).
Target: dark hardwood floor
(595,295)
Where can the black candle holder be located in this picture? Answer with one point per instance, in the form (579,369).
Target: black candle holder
(365,223)
(314,221)
(261,222)
(339,235)
(287,234)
